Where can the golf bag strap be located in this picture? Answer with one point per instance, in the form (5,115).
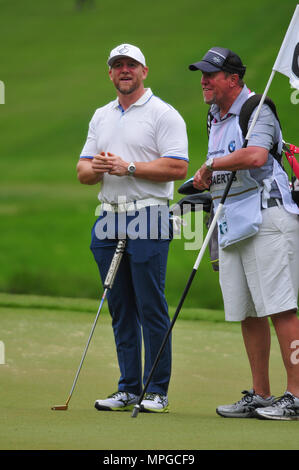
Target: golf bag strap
(209,121)
(246,112)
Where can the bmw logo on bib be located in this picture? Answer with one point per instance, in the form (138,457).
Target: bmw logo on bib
(232,146)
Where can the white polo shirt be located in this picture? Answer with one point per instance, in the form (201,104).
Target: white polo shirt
(147,130)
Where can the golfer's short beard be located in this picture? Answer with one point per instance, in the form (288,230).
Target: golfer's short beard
(128,91)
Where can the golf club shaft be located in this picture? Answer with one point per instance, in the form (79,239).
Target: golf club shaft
(188,285)
(186,290)
(110,277)
(87,345)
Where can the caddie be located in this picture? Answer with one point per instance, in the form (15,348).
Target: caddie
(258,234)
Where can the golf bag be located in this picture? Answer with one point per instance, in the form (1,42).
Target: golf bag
(290,150)
(193,198)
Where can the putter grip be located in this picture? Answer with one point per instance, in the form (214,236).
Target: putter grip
(115,264)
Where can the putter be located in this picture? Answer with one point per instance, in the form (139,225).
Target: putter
(107,285)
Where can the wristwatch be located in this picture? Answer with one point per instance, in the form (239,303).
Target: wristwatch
(131,168)
(209,164)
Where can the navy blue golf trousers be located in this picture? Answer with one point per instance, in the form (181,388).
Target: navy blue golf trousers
(138,309)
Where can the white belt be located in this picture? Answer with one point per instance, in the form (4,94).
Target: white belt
(135,205)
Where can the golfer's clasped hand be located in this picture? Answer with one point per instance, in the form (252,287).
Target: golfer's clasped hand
(203,178)
(109,163)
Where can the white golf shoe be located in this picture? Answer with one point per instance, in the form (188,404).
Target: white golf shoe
(246,407)
(118,401)
(285,408)
(154,403)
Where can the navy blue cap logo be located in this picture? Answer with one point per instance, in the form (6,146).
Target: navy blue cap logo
(217,60)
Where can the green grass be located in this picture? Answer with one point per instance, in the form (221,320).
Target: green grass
(53,66)
(44,340)
(54,69)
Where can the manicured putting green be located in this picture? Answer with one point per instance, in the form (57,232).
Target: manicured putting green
(43,347)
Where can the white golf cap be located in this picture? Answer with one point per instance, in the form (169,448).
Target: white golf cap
(126,50)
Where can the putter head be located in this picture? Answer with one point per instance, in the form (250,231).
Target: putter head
(60,407)
(135,411)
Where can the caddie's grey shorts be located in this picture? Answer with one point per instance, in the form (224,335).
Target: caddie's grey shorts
(259,276)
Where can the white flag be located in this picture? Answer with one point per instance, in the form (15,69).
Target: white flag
(287,61)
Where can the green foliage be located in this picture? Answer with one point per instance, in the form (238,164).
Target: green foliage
(53,64)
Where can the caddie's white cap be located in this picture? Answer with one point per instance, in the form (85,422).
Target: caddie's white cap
(126,50)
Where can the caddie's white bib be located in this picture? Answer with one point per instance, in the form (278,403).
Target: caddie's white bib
(241,215)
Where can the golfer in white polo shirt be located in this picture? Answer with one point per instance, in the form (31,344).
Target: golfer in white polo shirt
(136,147)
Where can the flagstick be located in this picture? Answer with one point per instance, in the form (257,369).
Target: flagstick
(256,115)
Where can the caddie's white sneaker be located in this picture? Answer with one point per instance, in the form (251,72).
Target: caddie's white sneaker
(285,408)
(245,408)
(118,401)
(154,403)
